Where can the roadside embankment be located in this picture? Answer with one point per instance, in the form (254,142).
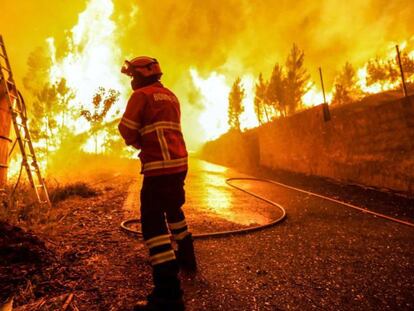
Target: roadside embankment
(370,143)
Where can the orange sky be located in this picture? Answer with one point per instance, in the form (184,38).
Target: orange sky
(207,33)
(25,24)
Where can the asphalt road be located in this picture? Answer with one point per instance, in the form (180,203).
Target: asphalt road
(323,256)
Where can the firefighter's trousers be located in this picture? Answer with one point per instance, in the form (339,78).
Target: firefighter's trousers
(161,199)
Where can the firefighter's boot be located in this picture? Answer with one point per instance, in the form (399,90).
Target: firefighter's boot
(186,256)
(155,303)
(167,294)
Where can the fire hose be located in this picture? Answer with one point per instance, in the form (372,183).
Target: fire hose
(125,224)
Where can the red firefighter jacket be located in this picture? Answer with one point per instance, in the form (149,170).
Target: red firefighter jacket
(151,122)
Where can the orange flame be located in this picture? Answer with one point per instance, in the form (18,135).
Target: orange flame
(92,60)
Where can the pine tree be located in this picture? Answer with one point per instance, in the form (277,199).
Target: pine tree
(37,76)
(408,65)
(44,123)
(259,100)
(276,91)
(235,109)
(51,101)
(388,72)
(381,72)
(346,88)
(297,79)
(65,94)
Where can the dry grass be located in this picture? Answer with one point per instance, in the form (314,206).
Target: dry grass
(81,189)
(81,175)
(20,207)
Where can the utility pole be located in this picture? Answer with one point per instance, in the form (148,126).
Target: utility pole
(402,72)
(326,112)
(323,87)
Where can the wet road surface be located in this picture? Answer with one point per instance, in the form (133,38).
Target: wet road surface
(323,256)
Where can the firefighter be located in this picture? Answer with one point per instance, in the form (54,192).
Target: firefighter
(151,123)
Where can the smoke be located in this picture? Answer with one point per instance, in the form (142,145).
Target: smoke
(209,35)
(247,37)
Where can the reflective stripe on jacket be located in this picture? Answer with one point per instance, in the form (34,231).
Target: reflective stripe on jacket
(151,122)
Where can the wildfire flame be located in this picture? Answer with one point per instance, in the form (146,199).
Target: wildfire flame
(390,54)
(93,55)
(215,90)
(92,60)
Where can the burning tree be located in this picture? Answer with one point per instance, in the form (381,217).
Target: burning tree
(236,96)
(38,64)
(49,107)
(50,102)
(102,101)
(283,93)
(297,79)
(381,72)
(260,100)
(386,73)
(65,95)
(346,88)
(408,66)
(45,108)
(277,90)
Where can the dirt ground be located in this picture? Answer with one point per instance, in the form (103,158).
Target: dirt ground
(80,250)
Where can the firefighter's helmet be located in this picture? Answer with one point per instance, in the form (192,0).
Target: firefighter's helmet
(142,65)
